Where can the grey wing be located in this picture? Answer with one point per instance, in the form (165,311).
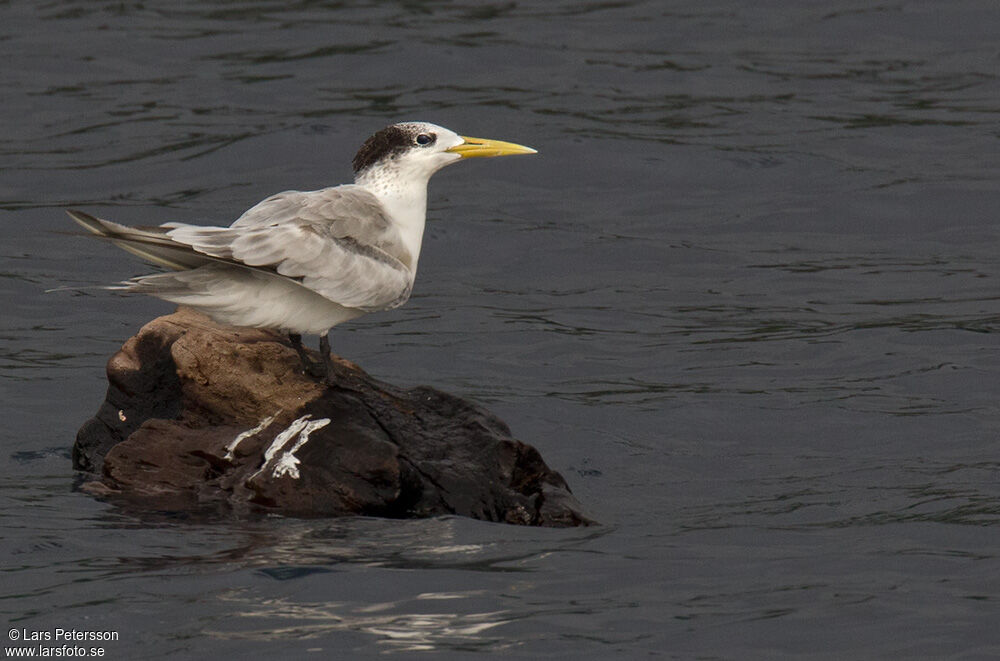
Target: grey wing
(350,210)
(335,242)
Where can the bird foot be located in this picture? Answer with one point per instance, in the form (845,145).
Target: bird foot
(317,370)
(321,369)
(314,369)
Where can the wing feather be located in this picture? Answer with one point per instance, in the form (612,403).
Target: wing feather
(341,269)
(337,242)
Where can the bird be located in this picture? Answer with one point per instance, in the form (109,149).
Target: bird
(303,262)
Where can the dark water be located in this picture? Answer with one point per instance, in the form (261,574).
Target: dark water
(746,299)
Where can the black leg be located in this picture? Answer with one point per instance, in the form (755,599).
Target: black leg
(308,366)
(296,341)
(324,348)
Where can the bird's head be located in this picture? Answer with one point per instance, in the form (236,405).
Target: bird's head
(416,150)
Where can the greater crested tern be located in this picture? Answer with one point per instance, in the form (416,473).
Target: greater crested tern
(304,261)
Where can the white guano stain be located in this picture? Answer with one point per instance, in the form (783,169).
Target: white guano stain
(288,463)
(231,448)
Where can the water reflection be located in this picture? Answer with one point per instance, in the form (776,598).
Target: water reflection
(377,569)
(427,622)
(284,547)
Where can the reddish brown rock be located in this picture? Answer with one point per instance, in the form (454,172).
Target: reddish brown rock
(199,414)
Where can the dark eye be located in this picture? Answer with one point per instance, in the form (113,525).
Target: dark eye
(425,138)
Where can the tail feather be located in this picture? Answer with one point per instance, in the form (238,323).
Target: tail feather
(190,283)
(87,221)
(151,244)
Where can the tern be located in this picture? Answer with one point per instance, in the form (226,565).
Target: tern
(302,262)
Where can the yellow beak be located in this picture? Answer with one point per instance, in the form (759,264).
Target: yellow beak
(481,148)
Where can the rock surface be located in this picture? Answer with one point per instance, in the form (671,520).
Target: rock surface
(199,414)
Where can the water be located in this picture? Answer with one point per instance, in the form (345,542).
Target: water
(745,300)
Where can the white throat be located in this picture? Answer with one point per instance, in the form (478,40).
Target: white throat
(405,200)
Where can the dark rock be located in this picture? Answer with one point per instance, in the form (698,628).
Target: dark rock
(184,389)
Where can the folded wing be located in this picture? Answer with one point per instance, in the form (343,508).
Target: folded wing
(336,242)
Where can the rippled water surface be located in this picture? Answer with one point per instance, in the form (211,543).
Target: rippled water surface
(746,299)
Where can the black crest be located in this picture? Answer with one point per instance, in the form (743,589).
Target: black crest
(386,143)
